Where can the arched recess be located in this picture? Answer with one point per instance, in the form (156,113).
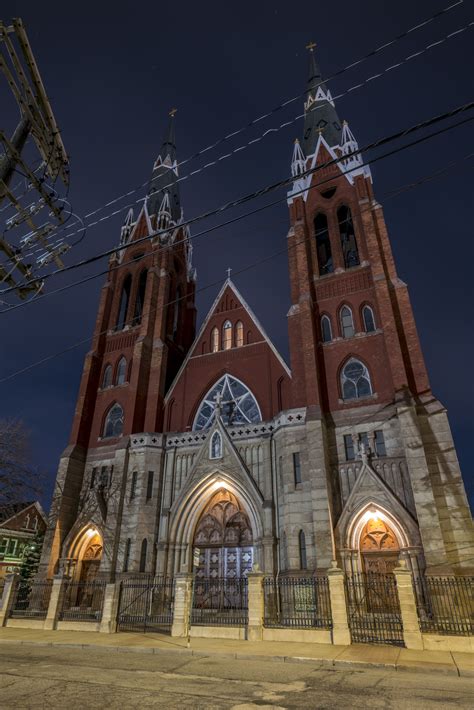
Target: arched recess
(189,506)
(84,553)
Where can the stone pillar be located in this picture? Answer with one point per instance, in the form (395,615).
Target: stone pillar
(340,628)
(8,598)
(182,604)
(55,601)
(255,605)
(108,624)
(411,626)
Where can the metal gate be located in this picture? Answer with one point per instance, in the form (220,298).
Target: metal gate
(146,605)
(374,609)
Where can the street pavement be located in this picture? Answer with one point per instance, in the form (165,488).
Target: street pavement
(34,676)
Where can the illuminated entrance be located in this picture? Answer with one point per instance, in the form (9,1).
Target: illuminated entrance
(224,538)
(378,546)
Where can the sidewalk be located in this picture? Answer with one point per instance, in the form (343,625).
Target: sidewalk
(354,656)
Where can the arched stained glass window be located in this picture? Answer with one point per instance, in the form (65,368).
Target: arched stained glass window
(348,239)
(114,422)
(124,299)
(227,335)
(323,244)
(122,371)
(214,340)
(239,334)
(107,377)
(326,330)
(216,446)
(369,320)
(347,322)
(237,404)
(355,380)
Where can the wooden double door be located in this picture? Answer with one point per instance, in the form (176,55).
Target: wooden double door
(224,562)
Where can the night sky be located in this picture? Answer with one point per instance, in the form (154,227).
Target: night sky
(114,70)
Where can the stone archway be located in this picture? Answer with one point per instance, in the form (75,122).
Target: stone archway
(224,538)
(379,547)
(85,555)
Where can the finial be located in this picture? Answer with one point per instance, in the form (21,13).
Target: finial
(297,140)
(229,272)
(172,112)
(311,46)
(344,123)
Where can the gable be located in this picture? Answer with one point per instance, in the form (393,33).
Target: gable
(24,519)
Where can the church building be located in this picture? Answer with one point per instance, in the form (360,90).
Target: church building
(208,445)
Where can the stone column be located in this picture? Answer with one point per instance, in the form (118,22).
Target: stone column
(8,598)
(108,624)
(411,626)
(55,601)
(255,605)
(340,628)
(182,604)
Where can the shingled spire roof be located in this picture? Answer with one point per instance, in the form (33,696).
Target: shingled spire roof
(320,113)
(164,177)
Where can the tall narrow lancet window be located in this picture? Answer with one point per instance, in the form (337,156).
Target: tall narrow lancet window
(143,551)
(347,322)
(114,422)
(124,300)
(323,244)
(107,377)
(348,238)
(140,299)
(239,334)
(227,335)
(214,340)
(177,309)
(302,547)
(355,380)
(216,446)
(326,330)
(122,371)
(368,318)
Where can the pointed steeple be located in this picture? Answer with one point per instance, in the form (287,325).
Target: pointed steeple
(320,113)
(163,188)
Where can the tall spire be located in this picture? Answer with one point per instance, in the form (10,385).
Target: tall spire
(320,113)
(163,188)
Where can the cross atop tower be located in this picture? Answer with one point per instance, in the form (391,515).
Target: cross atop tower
(173,112)
(228,272)
(311,46)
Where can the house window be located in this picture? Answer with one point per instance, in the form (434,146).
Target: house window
(214,340)
(143,555)
(348,239)
(107,378)
(355,380)
(133,486)
(349,447)
(3,545)
(347,322)
(302,546)
(323,244)
(326,330)
(149,485)
(122,371)
(11,547)
(368,318)
(227,335)
(216,446)
(239,334)
(114,422)
(296,467)
(124,299)
(126,557)
(379,441)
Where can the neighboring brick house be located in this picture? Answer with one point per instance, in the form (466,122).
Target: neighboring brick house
(19,525)
(211,441)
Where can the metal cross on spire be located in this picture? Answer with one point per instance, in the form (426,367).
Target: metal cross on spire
(173,112)
(311,46)
(229,270)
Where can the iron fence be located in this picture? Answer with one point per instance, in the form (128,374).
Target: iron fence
(31,599)
(445,604)
(220,602)
(146,604)
(374,609)
(297,602)
(83,601)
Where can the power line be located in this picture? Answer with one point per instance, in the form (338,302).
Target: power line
(274,129)
(281,183)
(389,195)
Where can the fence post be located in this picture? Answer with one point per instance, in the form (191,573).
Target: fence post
(256,608)
(341,634)
(406,596)
(108,624)
(8,598)
(55,601)
(182,604)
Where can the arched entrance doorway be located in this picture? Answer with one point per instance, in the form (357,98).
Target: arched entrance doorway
(224,538)
(379,546)
(85,555)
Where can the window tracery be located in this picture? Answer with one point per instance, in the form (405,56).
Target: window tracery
(355,380)
(237,404)
(114,422)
